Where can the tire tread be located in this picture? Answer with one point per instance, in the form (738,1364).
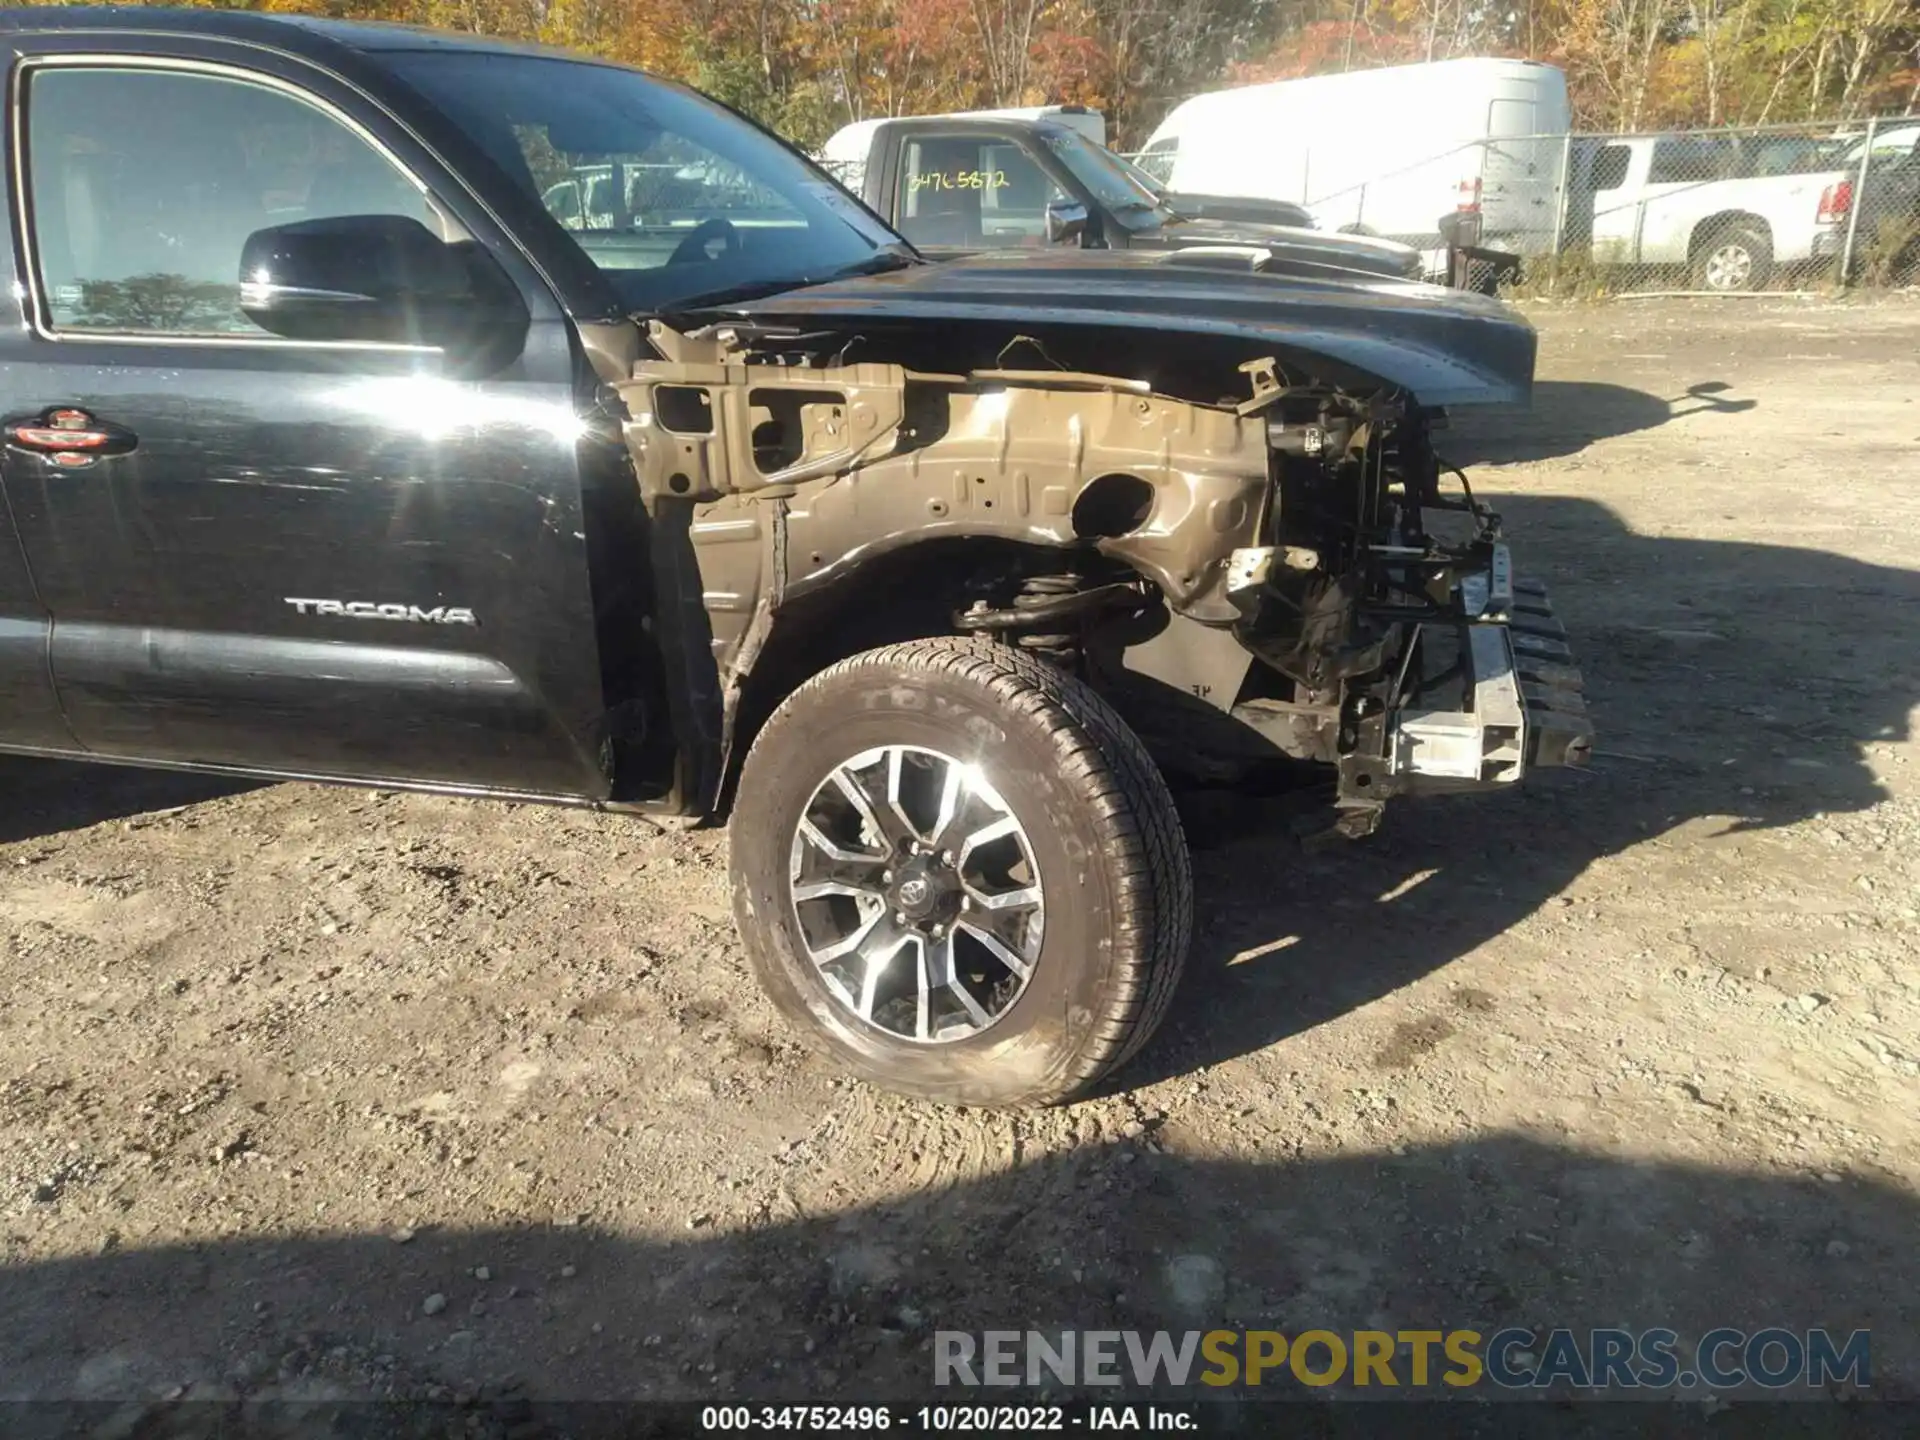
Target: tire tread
(1133,816)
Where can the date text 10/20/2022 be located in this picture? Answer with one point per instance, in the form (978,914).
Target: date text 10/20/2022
(941,1419)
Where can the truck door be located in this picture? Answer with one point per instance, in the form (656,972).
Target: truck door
(1676,196)
(29,715)
(330,559)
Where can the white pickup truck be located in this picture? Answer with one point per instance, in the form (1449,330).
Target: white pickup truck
(1731,209)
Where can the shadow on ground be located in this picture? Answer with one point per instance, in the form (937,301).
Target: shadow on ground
(1726,680)
(47,797)
(1567,416)
(1492,1233)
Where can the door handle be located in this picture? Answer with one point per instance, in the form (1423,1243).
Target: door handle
(67,436)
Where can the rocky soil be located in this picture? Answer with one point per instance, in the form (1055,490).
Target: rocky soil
(309,1092)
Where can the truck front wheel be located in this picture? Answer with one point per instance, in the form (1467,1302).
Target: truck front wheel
(958,873)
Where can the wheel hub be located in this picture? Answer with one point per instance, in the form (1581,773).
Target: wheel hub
(1730,267)
(926,892)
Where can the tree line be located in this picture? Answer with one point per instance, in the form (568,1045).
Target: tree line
(806,67)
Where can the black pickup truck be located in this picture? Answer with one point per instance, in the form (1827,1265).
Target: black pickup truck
(332,452)
(958,184)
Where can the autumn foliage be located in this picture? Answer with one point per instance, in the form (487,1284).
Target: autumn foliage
(810,66)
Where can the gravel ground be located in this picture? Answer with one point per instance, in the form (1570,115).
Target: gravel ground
(310,1092)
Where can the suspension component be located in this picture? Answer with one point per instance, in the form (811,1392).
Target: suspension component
(1050,613)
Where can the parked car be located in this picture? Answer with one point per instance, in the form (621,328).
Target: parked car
(1893,141)
(849,148)
(1729,208)
(662,194)
(1886,193)
(331,453)
(854,141)
(1385,152)
(955,185)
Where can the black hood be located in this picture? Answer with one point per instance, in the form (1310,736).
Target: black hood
(1445,347)
(1289,246)
(1238,208)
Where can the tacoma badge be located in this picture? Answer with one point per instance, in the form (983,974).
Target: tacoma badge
(367,610)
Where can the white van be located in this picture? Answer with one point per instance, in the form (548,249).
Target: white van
(1385,152)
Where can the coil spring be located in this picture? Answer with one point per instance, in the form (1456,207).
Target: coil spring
(1048,613)
(1062,647)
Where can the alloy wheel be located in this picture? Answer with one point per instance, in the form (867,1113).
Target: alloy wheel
(917,894)
(1730,267)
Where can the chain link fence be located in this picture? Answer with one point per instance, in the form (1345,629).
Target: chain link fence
(1721,211)
(1736,211)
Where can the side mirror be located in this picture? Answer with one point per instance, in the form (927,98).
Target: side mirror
(1066,220)
(381,278)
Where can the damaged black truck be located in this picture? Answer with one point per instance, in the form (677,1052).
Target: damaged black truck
(331,453)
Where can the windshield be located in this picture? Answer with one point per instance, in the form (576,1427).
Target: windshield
(1135,203)
(1134,173)
(674,199)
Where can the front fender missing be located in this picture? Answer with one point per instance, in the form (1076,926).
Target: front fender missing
(873,457)
(798,477)
(1168,487)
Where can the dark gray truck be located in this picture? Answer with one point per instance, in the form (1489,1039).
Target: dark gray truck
(957,185)
(334,451)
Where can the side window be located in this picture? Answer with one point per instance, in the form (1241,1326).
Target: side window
(972,192)
(1510,119)
(145,185)
(1692,160)
(1610,167)
(1673,160)
(563,203)
(1788,155)
(639,206)
(1157,160)
(1894,145)
(599,197)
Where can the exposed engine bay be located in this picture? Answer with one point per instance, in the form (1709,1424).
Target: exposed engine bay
(1282,573)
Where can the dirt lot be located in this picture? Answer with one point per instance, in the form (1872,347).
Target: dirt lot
(311,1092)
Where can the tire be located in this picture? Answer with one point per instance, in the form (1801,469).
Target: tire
(1094,828)
(1733,257)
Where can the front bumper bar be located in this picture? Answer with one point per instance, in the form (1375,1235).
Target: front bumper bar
(1551,686)
(1521,701)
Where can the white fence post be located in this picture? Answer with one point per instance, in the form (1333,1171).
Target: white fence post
(1859,204)
(1559,239)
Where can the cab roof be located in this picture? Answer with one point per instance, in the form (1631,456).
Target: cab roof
(301,34)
